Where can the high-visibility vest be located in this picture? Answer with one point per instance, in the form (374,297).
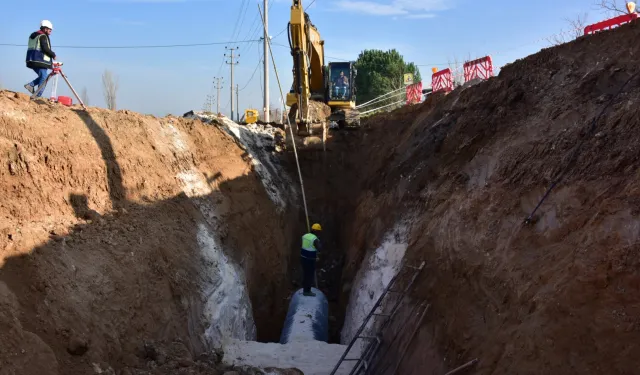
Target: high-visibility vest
(307,242)
(34,51)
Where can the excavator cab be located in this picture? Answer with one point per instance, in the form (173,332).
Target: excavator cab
(341,94)
(341,85)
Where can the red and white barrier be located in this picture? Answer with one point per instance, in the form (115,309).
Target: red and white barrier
(442,81)
(480,68)
(610,23)
(414,93)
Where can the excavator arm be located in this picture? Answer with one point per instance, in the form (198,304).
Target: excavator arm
(307,50)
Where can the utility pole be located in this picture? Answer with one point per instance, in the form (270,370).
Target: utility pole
(266,60)
(232,63)
(237,103)
(218,87)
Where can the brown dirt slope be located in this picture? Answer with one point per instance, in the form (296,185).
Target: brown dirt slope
(99,251)
(557,296)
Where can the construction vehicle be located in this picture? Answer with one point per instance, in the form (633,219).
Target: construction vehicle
(251,116)
(321,95)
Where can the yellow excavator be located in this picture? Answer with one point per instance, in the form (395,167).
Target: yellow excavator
(321,95)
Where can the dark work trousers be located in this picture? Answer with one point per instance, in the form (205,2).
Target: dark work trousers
(309,271)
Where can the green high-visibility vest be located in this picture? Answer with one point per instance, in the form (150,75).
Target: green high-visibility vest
(34,45)
(307,242)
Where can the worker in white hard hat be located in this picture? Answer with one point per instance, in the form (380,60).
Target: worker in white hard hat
(39,55)
(308,256)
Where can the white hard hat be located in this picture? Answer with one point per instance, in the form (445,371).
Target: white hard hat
(46,23)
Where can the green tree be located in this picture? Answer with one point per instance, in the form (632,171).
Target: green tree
(380,72)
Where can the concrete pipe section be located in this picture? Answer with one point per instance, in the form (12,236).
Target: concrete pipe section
(307,318)
(303,342)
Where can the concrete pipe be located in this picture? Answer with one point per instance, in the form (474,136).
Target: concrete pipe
(307,318)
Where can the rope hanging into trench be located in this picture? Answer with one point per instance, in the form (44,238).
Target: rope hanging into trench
(295,151)
(576,151)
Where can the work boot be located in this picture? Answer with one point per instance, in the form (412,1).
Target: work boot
(308,294)
(29,88)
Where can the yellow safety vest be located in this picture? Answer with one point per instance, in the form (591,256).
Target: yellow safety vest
(307,242)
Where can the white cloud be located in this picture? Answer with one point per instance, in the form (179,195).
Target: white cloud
(414,9)
(421,16)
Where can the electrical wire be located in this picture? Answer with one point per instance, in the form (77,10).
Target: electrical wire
(241,17)
(387,96)
(140,46)
(281,32)
(310,4)
(252,75)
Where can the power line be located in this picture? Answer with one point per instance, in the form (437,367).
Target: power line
(280,33)
(252,75)
(142,46)
(240,15)
(244,16)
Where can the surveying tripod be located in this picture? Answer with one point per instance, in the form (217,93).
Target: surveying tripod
(57,69)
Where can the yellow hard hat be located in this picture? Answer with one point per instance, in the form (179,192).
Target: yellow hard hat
(316,226)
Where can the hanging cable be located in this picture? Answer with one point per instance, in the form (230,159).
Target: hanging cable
(385,106)
(380,97)
(295,151)
(252,75)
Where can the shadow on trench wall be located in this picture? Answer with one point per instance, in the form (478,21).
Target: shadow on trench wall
(119,280)
(114,173)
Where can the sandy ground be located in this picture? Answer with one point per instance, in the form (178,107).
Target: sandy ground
(119,229)
(311,357)
(556,296)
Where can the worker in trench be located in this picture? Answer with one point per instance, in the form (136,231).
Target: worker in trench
(40,56)
(308,256)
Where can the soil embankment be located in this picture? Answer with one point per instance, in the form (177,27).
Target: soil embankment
(556,296)
(123,236)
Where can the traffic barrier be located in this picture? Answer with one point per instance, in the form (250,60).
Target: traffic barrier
(414,93)
(442,81)
(610,23)
(480,68)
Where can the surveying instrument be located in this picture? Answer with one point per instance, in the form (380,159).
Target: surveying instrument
(56,70)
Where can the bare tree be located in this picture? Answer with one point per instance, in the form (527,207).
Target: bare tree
(612,7)
(457,71)
(85,96)
(109,88)
(575,29)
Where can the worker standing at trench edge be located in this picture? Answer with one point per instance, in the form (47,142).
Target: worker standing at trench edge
(40,56)
(308,256)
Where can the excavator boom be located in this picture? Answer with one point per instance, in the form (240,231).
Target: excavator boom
(319,93)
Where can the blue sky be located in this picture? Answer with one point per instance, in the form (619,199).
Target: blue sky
(174,80)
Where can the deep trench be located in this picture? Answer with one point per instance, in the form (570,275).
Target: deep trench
(330,188)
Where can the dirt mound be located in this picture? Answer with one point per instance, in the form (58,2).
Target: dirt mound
(557,296)
(118,228)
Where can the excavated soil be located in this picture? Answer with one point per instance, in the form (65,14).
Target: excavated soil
(101,248)
(105,223)
(559,295)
